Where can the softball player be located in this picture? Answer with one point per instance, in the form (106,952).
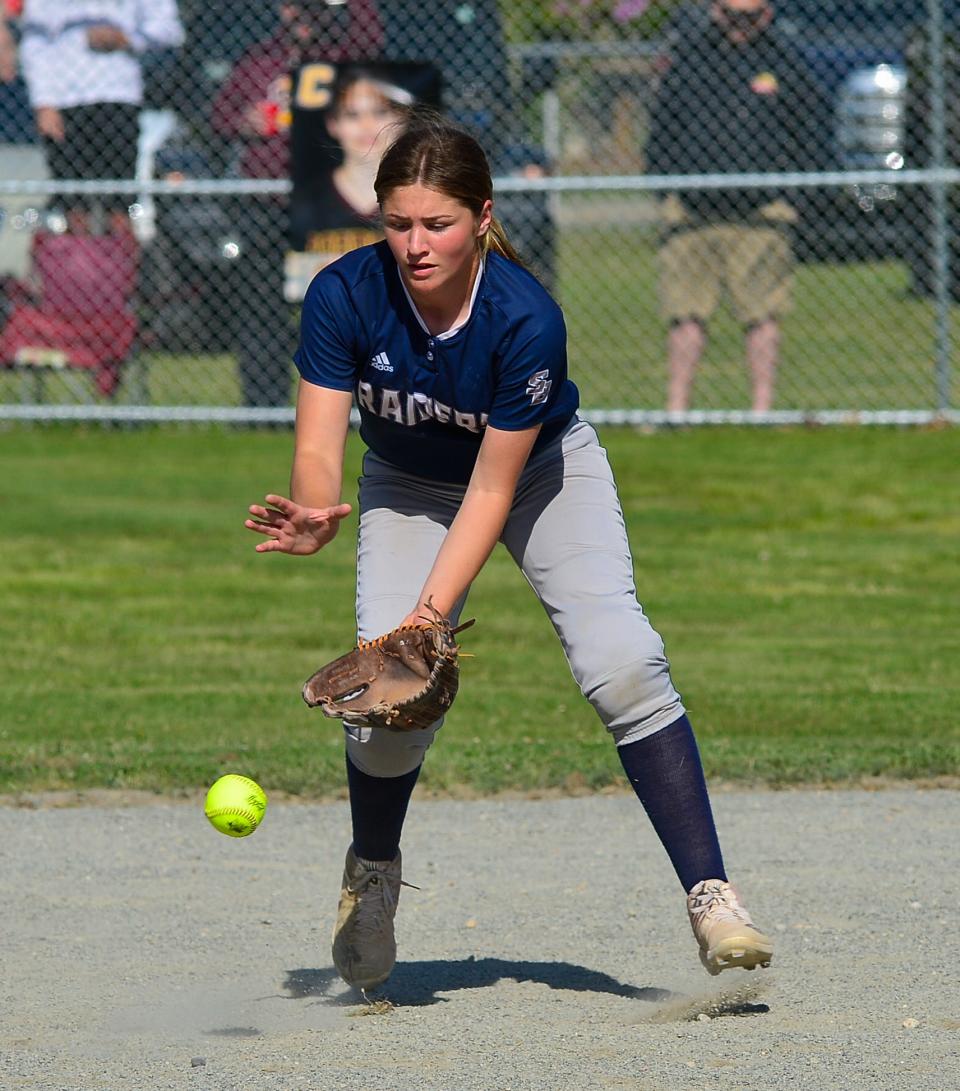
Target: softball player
(456,357)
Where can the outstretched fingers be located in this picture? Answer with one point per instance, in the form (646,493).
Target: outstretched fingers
(262,527)
(273,545)
(282,502)
(330,515)
(292,527)
(271,522)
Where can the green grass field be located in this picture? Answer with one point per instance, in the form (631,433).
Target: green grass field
(806,583)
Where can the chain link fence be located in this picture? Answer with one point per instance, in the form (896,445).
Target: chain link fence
(746,208)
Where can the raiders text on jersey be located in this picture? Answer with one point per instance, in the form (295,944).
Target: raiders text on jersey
(411,409)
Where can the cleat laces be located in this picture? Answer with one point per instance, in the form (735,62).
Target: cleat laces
(717,903)
(376,905)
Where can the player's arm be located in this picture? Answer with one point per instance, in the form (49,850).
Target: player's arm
(323,420)
(309,518)
(480,520)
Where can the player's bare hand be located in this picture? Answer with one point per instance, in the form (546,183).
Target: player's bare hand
(292,528)
(415,617)
(421,614)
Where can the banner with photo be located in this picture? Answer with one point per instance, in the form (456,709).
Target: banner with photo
(343,117)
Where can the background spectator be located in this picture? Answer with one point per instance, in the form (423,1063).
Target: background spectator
(16,118)
(735,98)
(253,105)
(253,109)
(82,63)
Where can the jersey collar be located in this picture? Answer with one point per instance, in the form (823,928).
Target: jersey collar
(447,334)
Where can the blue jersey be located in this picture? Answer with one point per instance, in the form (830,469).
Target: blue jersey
(424,400)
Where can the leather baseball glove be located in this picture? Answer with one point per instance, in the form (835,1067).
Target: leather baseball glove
(404,680)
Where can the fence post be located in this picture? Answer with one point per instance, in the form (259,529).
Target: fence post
(941,224)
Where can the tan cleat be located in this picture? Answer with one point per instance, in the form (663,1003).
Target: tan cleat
(364,945)
(724,930)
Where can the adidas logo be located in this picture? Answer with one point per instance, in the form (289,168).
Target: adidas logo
(381,362)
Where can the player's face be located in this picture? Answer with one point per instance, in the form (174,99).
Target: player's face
(362,122)
(434,239)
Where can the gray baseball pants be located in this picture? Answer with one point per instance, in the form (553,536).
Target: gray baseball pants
(566,533)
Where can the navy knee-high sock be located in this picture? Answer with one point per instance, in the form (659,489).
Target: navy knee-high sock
(378,806)
(665,772)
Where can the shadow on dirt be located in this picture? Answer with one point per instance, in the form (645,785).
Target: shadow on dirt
(419,983)
(415,984)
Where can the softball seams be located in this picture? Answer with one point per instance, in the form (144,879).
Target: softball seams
(257,797)
(251,784)
(232,812)
(245,780)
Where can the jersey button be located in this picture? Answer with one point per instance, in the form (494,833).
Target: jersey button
(429,355)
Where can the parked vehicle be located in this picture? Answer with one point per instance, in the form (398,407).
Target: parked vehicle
(857,52)
(920,151)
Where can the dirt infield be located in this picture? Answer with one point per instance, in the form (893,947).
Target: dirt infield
(547,948)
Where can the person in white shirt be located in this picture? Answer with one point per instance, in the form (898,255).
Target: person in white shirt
(81,62)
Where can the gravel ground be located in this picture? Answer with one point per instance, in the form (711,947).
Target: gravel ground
(548,947)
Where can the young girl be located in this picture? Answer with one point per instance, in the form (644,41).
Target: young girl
(339,207)
(457,359)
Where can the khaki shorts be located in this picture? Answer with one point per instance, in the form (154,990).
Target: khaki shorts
(752,263)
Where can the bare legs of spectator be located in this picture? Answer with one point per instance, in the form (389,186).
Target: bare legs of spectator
(685,344)
(763,350)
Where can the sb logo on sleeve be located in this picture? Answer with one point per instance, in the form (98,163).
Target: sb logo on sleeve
(538,387)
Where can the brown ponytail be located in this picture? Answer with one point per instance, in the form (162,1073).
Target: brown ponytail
(496,239)
(432,152)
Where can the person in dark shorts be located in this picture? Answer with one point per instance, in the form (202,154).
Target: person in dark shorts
(82,64)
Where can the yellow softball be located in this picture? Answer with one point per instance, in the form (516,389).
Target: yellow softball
(235,805)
